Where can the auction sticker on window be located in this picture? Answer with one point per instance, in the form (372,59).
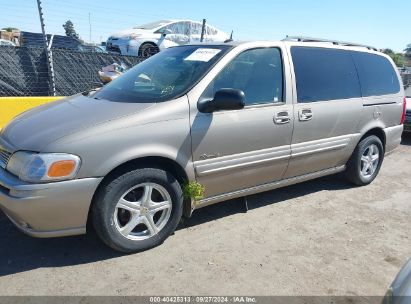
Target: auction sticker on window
(203,55)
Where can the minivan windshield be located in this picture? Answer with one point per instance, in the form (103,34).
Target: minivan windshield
(165,76)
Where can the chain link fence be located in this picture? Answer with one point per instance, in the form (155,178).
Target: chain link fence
(23,71)
(78,71)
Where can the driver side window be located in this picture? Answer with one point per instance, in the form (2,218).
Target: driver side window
(257,72)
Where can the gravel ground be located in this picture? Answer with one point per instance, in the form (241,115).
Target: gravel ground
(322,237)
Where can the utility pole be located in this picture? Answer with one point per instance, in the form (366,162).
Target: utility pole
(47,49)
(203,30)
(89,24)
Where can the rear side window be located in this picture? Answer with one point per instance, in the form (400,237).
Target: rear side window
(376,73)
(324,74)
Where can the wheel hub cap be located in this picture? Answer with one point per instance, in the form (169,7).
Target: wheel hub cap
(369,161)
(142,211)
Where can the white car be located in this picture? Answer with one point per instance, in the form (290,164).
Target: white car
(6,42)
(148,39)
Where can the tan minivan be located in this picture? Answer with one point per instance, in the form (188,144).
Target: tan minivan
(237,118)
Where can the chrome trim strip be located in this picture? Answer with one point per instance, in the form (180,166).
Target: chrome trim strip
(322,145)
(265,187)
(203,172)
(241,160)
(325,149)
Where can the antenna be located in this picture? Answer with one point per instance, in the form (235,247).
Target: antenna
(231,37)
(203,29)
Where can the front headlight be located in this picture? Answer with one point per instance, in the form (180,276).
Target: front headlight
(134,36)
(43,167)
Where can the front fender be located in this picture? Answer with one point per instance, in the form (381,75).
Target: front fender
(162,130)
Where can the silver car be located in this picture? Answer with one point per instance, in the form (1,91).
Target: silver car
(400,290)
(231,119)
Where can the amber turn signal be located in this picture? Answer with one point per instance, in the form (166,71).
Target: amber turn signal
(62,168)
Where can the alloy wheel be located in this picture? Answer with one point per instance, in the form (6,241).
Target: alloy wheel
(369,161)
(142,211)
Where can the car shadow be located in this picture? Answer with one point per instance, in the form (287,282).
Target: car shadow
(20,253)
(231,207)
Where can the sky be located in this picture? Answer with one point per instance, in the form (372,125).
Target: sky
(383,24)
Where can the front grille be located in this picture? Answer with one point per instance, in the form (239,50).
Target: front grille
(4,158)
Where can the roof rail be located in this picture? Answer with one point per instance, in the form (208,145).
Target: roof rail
(335,42)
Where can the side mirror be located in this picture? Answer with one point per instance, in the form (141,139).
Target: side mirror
(224,99)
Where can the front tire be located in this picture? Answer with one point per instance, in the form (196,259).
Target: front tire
(365,162)
(137,210)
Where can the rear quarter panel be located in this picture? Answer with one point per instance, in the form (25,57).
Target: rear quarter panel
(384,112)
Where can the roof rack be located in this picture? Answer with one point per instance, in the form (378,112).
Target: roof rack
(335,42)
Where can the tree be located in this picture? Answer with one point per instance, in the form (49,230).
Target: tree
(398,58)
(10,29)
(70,31)
(388,51)
(408,51)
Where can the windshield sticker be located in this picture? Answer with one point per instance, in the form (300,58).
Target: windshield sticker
(203,55)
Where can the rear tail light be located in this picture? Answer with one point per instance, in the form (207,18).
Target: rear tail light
(404,109)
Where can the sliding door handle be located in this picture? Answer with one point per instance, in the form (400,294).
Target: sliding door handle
(305,114)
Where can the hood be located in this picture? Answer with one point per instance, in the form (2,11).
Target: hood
(130,32)
(36,128)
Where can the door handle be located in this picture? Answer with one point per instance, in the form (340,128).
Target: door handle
(282,117)
(305,114)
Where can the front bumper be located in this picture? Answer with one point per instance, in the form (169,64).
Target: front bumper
(47,210)
(123,46)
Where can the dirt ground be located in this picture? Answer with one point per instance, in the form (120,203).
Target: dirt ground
(322,237)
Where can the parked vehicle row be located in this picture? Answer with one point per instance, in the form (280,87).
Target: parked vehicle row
(237,118)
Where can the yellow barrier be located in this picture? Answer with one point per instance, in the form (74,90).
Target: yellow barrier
(12,106)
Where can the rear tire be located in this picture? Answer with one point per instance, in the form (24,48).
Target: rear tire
(147,50)
(137,210)
(365,162)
